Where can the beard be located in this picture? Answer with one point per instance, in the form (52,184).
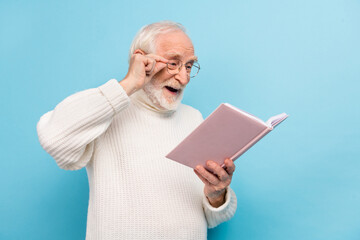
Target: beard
(155,92)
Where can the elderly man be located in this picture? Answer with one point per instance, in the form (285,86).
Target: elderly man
(121,132)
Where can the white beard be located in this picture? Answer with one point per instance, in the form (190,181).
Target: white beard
(155,94)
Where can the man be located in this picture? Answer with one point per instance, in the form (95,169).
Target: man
(121,132)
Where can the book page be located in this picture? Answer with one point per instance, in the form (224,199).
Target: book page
(275,120)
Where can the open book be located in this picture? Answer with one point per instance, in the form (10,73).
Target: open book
(228,132)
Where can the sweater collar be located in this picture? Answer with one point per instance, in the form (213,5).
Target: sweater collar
(141,99)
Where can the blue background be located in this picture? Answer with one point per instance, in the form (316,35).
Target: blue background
(301,57)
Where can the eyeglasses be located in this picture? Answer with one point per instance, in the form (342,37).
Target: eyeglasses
(192,68)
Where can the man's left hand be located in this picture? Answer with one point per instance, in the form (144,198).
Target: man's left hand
(216,181)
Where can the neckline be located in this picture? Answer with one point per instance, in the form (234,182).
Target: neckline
(141,99)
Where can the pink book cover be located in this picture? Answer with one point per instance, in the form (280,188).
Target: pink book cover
(228,132)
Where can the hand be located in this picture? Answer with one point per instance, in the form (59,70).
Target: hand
(141,69)
(216,181)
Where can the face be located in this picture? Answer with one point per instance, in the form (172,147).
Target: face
(166,90)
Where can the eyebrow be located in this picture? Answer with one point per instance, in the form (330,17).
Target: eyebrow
(178,56)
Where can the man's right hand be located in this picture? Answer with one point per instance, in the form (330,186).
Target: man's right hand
(141,70)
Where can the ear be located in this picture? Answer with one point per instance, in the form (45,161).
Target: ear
(139,51)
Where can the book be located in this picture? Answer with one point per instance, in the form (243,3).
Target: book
(228,132)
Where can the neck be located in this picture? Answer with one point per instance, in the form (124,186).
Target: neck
(141,99)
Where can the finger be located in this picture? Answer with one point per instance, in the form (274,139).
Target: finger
(158,67)
(206,182)
(158,58)
(160,63)
(217,170)
(207,175)
(230,166)
(152,67)
(149,65)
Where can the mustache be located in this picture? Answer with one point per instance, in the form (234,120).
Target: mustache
(173,83)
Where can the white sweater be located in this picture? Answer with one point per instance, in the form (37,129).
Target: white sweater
(135,192)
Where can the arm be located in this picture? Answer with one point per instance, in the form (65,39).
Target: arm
(219,200)
(68,132)
(216,216)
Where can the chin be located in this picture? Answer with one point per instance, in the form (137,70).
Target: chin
(163,98)
(170,103)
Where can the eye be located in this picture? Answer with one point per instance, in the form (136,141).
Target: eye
(173,64)
(188,67)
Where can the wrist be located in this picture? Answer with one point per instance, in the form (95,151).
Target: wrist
(127,85)
(217,201)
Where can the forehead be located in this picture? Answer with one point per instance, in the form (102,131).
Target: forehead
(175,44)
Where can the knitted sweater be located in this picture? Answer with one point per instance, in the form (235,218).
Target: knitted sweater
(135,192)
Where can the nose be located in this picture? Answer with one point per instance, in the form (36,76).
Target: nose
(183,77)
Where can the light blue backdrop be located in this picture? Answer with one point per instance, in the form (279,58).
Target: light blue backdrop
(301,57)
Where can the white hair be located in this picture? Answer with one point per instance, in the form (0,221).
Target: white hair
(145,39)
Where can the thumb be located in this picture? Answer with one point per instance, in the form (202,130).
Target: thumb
(158,66)
(160,63)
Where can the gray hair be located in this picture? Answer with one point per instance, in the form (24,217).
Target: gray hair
(145,39)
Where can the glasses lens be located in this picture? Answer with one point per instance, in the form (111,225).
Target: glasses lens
(173,66)
(195,69)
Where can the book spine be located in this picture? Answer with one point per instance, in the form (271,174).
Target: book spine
(250,144)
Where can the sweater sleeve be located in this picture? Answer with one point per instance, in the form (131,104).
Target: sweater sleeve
(215,216)
(68,132)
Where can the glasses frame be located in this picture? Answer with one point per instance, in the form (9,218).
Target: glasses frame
(181,65)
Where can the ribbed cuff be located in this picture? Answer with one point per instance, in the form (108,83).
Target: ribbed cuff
(215,216)
(115,94)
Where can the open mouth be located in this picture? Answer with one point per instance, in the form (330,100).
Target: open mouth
(173,90)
